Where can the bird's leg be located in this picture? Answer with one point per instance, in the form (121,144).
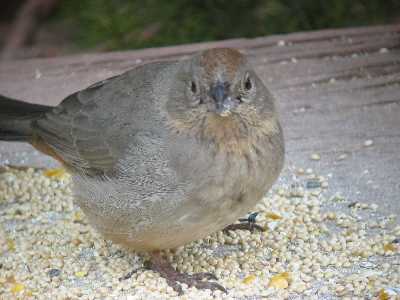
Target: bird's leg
(130,274)
(248,223)
(161,266)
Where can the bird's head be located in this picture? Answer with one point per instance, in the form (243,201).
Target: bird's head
(218,87)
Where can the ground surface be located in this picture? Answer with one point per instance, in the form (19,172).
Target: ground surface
(338,94)
(314,247)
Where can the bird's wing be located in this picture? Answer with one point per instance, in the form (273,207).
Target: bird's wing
(90,130)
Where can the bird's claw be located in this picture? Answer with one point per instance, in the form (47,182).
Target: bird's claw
(129,274)
(248,223)
(200,276)
(174,277)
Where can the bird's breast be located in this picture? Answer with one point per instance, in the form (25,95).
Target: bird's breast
(230,157)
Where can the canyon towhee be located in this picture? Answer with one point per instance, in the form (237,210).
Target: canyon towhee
(163,154)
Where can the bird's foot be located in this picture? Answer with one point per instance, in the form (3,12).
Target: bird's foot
(248,223)
(129,274)
(173,277)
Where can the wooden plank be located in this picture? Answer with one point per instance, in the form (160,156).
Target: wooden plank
(335,89)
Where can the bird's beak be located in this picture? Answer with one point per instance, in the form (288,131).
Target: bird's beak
(223,102)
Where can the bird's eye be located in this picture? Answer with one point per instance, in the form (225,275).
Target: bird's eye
(247,83)
(193,87)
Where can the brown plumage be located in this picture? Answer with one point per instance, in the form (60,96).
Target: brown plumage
(165,153)
(225,58)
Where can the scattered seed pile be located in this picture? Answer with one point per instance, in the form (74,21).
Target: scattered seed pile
(315,247)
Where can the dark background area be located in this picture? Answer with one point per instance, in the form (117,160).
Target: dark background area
(42,28)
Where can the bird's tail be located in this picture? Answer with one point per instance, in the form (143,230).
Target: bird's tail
(16,118)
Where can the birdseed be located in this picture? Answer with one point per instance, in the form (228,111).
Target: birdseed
(315,156)
(49,251)
(368,143)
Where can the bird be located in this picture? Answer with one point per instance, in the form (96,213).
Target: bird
(163,154)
